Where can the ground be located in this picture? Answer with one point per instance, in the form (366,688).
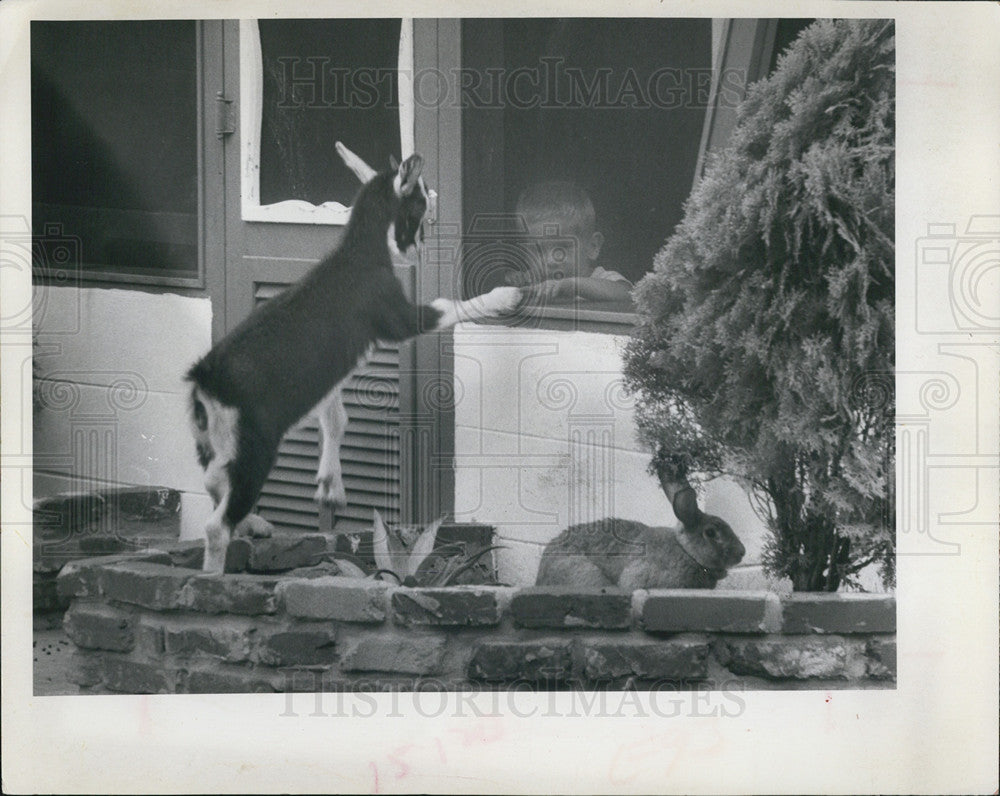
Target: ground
(51,657)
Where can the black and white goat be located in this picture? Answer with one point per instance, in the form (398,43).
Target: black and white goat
(291,354)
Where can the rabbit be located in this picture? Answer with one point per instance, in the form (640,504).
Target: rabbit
(628,554)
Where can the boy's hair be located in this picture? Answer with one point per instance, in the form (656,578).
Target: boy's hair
(558,201)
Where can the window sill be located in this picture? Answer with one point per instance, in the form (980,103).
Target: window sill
(606,317)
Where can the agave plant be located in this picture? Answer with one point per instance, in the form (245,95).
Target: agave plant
(412,558)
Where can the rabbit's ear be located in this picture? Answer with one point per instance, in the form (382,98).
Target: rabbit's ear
(685,505)
(679,492)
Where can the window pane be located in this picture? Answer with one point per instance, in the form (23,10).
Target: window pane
(615,106)
(326,80)
(114,142)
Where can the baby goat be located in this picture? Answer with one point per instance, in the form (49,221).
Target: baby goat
(292,353)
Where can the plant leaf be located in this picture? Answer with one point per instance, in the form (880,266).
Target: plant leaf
(349,569)
(423,546)
(385,548)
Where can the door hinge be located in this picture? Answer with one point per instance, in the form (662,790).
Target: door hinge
(223,116)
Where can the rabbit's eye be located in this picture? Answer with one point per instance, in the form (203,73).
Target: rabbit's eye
(710,532)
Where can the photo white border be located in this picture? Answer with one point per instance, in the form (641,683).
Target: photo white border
(935,733)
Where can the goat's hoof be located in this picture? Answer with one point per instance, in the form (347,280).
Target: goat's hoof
(331,495)
(210,572)
(254,526)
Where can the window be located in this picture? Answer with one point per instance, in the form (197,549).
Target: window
(307,83)
(616,106)
(114,118)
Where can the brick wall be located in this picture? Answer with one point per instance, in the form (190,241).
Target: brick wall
(146,623)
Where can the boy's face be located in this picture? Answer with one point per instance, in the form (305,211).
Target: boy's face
(570,252)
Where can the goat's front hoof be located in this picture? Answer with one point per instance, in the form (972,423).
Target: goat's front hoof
(214,564)
(331,493)
(503,300)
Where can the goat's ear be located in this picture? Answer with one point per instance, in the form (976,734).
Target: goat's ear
(409,173)
(393,163)
(358,167)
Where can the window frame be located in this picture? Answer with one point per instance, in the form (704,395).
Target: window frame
(297,211)
(740,44)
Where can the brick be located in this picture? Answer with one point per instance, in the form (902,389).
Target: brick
(98,626)
(45,594)
(229,680)
(793,658)
(154,586)
(191,554)
(282,552)
(838,613)
(556,607)
(299,646)
(398,655)
(44,561)
(148,503)
(62,515)
(228,638)
(881,655)
(680,610)
(104,544)
(677,659)
(80,578)
(237,556)
(454,607)
(544,660)
(324,569)
(84,668)
(135,677)
(149,635)
(230,594)
(338,598)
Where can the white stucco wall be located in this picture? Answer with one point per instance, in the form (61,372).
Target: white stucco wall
(545,438)
(116,407)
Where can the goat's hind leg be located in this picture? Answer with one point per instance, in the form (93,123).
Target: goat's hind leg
(218,532)
(236,459)
(215,430)
(332,416)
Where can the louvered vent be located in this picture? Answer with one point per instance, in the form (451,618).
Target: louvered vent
(369,454)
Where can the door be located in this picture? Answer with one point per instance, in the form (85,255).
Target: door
(290,90)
